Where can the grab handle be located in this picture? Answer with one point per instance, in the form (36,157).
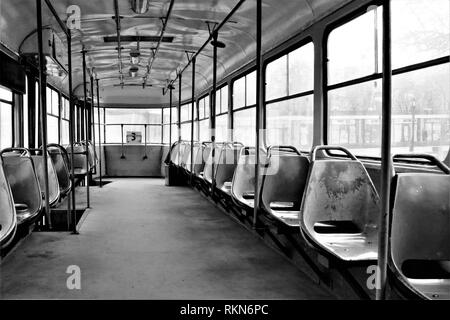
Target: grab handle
(433,160)
(282,148)
(24,152)
(328,148)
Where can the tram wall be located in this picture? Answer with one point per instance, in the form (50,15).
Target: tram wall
(133,160)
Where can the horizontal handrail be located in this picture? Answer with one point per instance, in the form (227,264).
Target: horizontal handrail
(327,148)
(432,159)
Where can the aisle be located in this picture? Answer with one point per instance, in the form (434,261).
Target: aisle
(147,241)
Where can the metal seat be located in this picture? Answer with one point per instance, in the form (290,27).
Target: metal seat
(60,160)
(420,231)
(24,184)
(226,165)
(208,169)
(53,185)
(92,154)
(8,219)
(79,159)
(201,158)
(283,184)
(243,183)
(340,207)
(192,157)
(185,153)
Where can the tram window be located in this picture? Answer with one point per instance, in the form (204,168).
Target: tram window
(354,111)
(290,122)
(355,48)
(222,100)
(244,109)
(25,115)
(222,128)
(186,112)
(174,133)
(133,120)
(203,112)
(65,122)
(6,123)
(186,131)
(355,118)
(421,111)
(97,124)
(166,125)
(52,116)
(289,119)
(245,126)
(174,114)
(204,134)
(420,31)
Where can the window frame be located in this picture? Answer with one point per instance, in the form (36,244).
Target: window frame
(374,77)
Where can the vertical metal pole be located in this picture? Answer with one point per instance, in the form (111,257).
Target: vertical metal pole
(91,122)
(170,112)
(386,160)
(192,120)
(71,135)
(145,142)
(179,115)
(259,105)
(86,127)
(99,139)
(43,111)
(213,112)
(121,133)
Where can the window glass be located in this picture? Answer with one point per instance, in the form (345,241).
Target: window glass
(25,116)
(420,31)
(290,122)
(355,118)
(5,94)
(205,134)
(52,129)
(6,129)
(133,116)
(421,111)
(166,133)
(276,78)
(186,131)
(251,89)
(355,48)
(245,126)
(221,128)
(174,114)
(239,93)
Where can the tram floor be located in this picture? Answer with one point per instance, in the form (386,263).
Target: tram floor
(142,240)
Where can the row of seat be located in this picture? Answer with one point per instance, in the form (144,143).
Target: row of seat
(332,201)
(22,182)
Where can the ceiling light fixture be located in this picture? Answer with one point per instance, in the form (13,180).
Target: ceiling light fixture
(139,6)
(134,71)
(135,56)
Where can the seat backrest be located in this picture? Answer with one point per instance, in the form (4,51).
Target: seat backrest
(208,169)
(201,157)
(7,210)
(186,153)
(53,185)
(285,179)
(79,156)
(92,154)
(57,157)
(22,178)
(192,156)
(420,229)
(339,190)
(227,163)
(244,175)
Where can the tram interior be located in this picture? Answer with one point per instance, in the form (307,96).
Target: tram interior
(232,149)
